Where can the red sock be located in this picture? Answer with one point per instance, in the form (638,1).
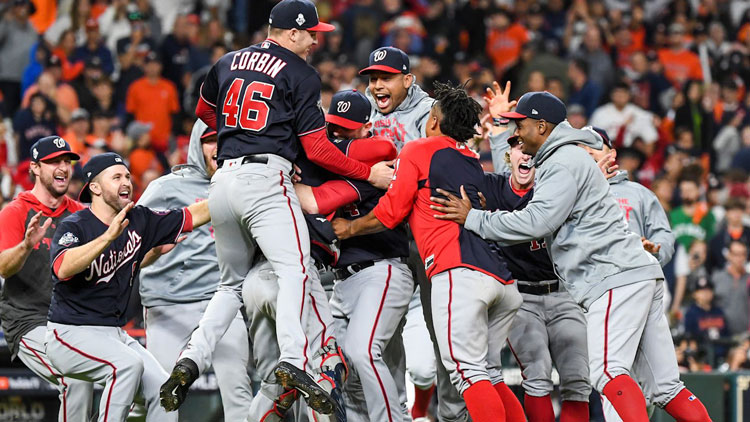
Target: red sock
(539,409)
(422,400)
(574,411)
(627,399)
(685,407)
(483,403)
(513,408)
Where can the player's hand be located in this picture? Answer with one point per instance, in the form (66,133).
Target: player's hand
(118,223)
(341,227)
(650,246)
(608,166)
(381,174)
(498,100)
(482,201)
(35,231)
(454,209)
(296,178)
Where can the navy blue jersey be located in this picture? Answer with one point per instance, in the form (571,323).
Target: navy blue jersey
(265,97)
(526,261)
(99,295)
(383,245)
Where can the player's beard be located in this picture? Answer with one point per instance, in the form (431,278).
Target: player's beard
(114,200)
(49,183)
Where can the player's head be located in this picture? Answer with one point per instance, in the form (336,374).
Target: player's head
(536,116)
(107,182)
(294,24)
(51,166)
(390,77)
(454,114)
(209,146)
(598,154)
(348,116)
(521,169)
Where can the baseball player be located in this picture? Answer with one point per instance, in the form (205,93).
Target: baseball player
(373,284)
(645,217)
(175,289)
(273,402)
(95,256)
(28,224)
(550,326)
(472,320)
(263,100)
(598,260)
(399,112)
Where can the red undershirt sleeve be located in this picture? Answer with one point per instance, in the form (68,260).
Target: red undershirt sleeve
(372,150)
(206,112)
(333,195)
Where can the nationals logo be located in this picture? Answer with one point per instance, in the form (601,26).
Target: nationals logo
(379,55)
(343,106)
(109,262)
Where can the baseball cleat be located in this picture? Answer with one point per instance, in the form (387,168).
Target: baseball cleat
(173,392)
(290,376)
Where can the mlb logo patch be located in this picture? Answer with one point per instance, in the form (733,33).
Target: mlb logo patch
(692,397)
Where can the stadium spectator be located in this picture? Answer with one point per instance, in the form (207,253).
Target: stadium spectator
(680,64)
(694,116)
(731,288)
(705,321)
(732,229)
(689,269)
(114,24)
(153,99)
(34,123)
(692,220)
(504,40)
(61,95)
(624,121)
(583,91)
(85,83)
(17,36)
(93,46)
(74,21)
(177,48)
(741,159)
(600,68)
(78,130)
(142,157)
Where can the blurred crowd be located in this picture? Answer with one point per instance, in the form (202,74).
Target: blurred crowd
(667,79)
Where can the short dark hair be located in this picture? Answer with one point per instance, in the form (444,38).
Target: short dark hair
(734,203)
(581,64)
(460,111)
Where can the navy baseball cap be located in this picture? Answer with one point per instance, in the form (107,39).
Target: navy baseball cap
(603,134)
(298,14)
(93,167)
(538,105)
(389,60)
(349,109)
(50,147)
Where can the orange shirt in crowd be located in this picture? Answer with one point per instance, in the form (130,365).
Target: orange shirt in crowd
(504,46)
(141,160)
(154,102)
(680,66)
(70,70)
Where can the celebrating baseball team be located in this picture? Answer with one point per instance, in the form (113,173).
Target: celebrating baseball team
(437,266)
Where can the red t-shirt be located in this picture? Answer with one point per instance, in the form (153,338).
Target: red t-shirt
(423,166)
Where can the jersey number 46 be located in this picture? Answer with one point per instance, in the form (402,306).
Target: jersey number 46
(249,110)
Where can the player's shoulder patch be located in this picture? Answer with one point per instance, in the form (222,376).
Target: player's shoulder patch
(67,239)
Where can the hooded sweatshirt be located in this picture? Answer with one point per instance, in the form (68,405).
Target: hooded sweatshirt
(189,272)
(591,247)
(644,214)
(25,298)
(407,121)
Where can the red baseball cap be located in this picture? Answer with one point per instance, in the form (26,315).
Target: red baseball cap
(299,14)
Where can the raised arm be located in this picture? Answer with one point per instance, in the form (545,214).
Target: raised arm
(13,258)
(74,260)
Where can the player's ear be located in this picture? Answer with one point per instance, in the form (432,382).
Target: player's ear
(95,188)
(408,80)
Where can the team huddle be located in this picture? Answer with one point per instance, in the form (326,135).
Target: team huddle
(436,264)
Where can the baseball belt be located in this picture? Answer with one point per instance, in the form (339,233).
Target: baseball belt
(538,288)
(259,159)
(348,271)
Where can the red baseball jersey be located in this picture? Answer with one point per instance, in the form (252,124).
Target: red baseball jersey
(423,166)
